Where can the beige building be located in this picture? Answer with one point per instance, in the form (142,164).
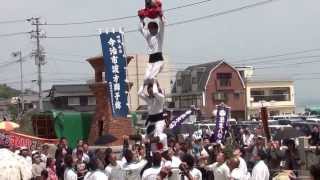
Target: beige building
(277,95)
(136,70)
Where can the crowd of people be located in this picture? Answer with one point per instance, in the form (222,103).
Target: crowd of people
(181,158)
(157,156)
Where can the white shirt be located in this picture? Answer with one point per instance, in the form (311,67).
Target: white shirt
(114,172)
(96,175)
(247,139)
(151,173)
(221,172)
(154,42)
(29,160)
(243,165)
(156,103)
(175,162)
(260,171)
(196,174)
(132,170)
(237,174)
(69,174)
(43,158)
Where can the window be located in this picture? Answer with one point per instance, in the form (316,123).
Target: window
(258,95)
(236,95)
(281,94)
(224,79)
(179,82)
(73,101)
(220,96)
(194,80)
(92,101)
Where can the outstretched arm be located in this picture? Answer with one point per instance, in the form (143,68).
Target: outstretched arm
(142,28)
(161,26)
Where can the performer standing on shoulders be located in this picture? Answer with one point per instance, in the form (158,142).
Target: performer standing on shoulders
(155,100)
(153,34)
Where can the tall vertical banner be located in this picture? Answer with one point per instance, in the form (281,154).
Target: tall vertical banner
(222,117)
(115,71)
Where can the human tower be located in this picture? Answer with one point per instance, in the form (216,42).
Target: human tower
(152,29)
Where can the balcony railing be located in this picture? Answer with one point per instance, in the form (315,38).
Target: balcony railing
(275,97)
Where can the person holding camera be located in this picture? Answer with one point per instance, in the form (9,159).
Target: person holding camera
(187,171)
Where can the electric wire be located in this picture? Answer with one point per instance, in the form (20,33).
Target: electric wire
(123,18)
(179,22)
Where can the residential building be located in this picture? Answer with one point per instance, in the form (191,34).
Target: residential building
(77,97)
(208,85)
(277,95)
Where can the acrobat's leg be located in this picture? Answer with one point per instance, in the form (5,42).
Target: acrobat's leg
(156,68)
(160,126)
(147,74)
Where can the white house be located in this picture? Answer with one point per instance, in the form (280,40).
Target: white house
(277,95)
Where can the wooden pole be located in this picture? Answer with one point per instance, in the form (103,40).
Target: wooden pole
(264,118)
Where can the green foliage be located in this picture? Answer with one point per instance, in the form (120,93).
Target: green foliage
(7,92)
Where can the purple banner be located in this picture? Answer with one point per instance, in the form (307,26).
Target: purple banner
(176,122)
(222,117)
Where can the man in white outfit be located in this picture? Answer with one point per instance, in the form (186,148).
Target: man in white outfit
(155,100)
(113,169)
(69,173)
(235,172)
(132,167)
(260,170)
(242,165)
(154,37)
(96,172)
(220,169)
(152,172)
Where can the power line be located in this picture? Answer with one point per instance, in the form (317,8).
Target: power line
(224,12)
(9,63)
(123,18)
(292,64)
(277,55)
(12,21)
(281,60)
(13,34)
(179,22)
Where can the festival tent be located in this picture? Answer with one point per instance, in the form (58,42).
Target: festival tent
(72,125)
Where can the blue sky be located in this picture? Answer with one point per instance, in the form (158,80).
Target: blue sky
(283,26)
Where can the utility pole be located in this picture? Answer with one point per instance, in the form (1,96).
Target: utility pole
(38,54)
(19,54)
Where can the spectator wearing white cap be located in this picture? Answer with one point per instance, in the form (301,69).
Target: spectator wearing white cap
(37,166)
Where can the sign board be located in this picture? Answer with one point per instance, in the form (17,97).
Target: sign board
(115,71)
(176,122)
(13,139)
(222,117)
